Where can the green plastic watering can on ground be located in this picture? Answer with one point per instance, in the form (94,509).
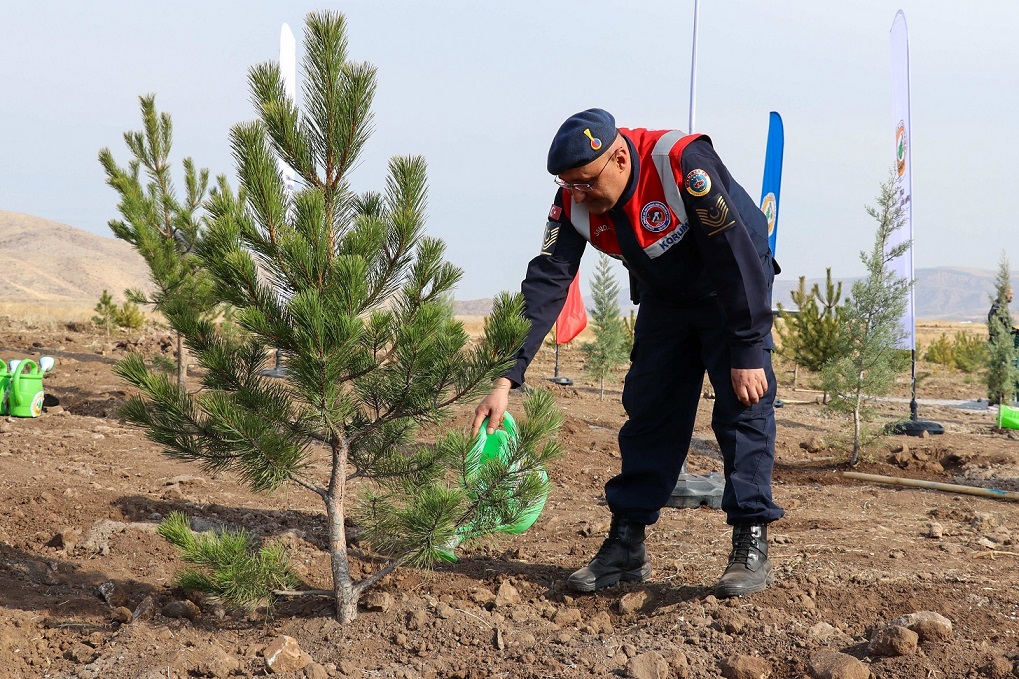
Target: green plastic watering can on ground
(24,390)
(5,386)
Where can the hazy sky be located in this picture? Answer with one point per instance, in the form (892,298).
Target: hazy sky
(479,88)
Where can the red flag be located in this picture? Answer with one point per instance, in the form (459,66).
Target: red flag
(573,318)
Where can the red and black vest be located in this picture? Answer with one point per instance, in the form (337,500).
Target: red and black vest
(656,210)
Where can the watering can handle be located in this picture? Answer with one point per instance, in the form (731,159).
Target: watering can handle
(508,423)
(16,378)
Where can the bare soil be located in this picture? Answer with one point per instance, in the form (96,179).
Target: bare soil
(88,586)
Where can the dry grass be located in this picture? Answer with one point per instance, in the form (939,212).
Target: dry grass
(46,314)
(475,327)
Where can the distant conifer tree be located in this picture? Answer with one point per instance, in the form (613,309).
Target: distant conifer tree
(867,357)
(611,345)
(1002,373)
(809,336)
(163,227)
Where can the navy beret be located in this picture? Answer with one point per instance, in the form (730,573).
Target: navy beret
(582,138)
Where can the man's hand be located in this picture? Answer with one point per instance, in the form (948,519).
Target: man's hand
(493,407)
(749,384)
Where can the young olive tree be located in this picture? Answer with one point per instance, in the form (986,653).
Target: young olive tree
(1002,373)
(374,355)
(612,341)
(867,358)
(163,227)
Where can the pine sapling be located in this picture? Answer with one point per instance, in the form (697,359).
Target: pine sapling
(357,297)
(867,359)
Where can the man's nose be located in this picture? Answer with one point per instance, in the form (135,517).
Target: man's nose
(579,195)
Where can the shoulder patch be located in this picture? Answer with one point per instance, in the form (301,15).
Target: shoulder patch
(555,213)
(551,236)
(715,219)
(698,183)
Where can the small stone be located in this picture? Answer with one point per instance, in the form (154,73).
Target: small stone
(507,594)
(66,539)
(567,616)
(935,531)
(632,602)
(601,623)
(217,663)
(121,614)
(379,601)
(145,610)
(81,653)
(893,641)
(813,445)
(745,667)
(105,592)
(930,626)
(181,609)
(650,665)
(482,597)
(416,619)
(829,664)
(285,655)
(315,671)
(821,632)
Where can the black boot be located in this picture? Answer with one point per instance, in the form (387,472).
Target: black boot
(749,570)
(622,557)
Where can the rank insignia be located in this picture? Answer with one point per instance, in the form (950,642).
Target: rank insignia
(698,183)
(551,236)
(715,219)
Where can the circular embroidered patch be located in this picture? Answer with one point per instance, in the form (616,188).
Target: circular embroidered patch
(655,216)
(698,183)
(769,207)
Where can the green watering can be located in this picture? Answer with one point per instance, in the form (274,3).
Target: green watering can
(487,448)
(23,392)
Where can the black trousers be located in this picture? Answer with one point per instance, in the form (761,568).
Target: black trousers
(673,347)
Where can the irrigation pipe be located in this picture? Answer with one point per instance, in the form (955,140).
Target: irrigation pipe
(995,493)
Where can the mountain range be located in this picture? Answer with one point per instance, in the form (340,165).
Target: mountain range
(48,262)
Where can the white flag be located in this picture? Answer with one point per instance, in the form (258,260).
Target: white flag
(288,70)
(903,266)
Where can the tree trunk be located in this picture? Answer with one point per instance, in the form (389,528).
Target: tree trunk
(344,593)
(182,362)
(857,407)
(796,374)
(343,585)
(601,393)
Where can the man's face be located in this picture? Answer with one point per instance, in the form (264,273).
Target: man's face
(600,183)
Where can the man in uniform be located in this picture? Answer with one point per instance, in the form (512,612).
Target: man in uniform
(696,248)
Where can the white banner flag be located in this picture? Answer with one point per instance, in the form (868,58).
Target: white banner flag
(903,266)
(288,70)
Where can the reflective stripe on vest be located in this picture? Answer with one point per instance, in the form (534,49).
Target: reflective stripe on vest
(661,159)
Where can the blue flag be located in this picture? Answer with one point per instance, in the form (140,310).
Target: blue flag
(772,177)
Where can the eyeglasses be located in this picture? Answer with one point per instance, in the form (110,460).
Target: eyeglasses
(586,186)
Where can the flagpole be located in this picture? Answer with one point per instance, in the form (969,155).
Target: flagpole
(696,490)
(903,265)
(693,67)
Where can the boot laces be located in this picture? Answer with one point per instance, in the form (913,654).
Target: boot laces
(744,544)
